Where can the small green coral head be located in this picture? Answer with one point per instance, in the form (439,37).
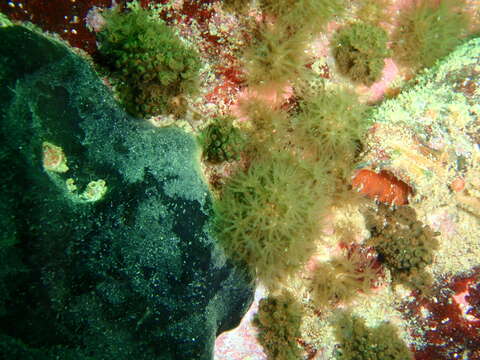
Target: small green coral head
(149,63)
(405,244)
(278,321)
(359,342)
(359,50)
(221,141)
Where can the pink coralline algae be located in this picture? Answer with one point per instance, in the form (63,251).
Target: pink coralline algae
(378,89)
(444,222)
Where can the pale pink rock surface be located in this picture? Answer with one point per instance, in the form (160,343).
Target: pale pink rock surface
(444,222)
(241,342)
(377,90)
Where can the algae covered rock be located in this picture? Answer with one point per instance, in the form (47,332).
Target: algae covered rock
(107,252)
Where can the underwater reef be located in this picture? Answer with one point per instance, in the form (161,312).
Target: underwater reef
(323,153)
(106,249)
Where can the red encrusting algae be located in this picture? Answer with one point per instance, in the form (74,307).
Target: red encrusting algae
(66,18)
(448,322)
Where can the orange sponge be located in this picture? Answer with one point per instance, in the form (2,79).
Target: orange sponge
(382,186)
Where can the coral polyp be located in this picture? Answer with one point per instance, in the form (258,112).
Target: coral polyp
(268,217)
(340,279)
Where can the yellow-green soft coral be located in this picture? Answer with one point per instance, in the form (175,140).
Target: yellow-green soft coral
(268,216)
(429,31)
